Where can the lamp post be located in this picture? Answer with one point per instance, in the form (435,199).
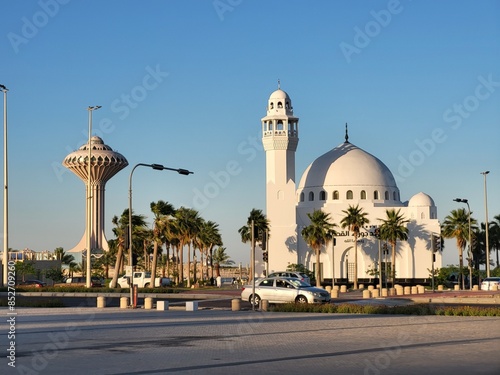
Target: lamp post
(158,167)
(466,201)
(486,225)
(5,259)
(88,279)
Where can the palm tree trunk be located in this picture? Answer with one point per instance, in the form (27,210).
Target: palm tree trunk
(189,265)
(393,261)
(318,274)
(181,263)
(117,267)
(461,266)
(355,261)
(153,263)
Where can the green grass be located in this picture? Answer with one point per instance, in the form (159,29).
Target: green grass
(416,309)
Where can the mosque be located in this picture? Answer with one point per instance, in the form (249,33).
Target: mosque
(346,175)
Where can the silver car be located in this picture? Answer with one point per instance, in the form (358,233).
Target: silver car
(490,282)
(284,290)
(294,274)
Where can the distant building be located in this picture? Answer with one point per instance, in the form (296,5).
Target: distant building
(345,175)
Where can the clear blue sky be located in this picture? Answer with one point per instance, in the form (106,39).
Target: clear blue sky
(185,84)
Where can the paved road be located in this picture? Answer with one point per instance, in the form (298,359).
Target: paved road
(220,341)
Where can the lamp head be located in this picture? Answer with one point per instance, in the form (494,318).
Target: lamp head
(485,173)
(3,87)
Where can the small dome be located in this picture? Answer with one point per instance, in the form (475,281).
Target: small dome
(347,165)
(421,199)
(279,94)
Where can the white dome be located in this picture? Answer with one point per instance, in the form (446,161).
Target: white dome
(347,165)
(421,199)
(279,94)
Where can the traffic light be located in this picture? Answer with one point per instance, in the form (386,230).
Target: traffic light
(265,257)
(436,243)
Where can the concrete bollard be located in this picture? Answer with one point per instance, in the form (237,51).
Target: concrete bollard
(335,287)
(392,291)
(124,302)
(162,305)
(494,287)
(440,288)
(456,287)
(148,303)
(101,302)
(407,290)
(420,289)
(343,289)
(399,291)
(371,287)
(361,286)
(192,306)
(334,293)
(235,304)
(328,288)
(414,290)
(366,293)
(264,305)
(384,292)
(475,287)
(375,293)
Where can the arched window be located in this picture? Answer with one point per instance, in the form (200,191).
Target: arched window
(349,194)
(280,105)
(287,105)
(422,215)
(311,196)
(302,197)
(322,196)
(336,195)
(394,196)
(363,194)
(279,125)
(271,105)
(386,195)
(375,195)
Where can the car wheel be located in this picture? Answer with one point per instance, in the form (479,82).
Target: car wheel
(301,299)
(257,300)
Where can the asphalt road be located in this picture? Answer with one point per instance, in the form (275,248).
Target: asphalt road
(117,341)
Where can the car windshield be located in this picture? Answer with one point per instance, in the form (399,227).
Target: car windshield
(298,283)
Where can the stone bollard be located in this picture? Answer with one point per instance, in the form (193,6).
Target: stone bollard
(440,288)
(392,291)
(407,290)
(384,292)
(475,287)
(343,289)
(101,302)
(414,290)
(361,286)
(420,289)
(123,302)
(399,291)
(366,293)
(192,306)
(162,305)
(371,287)
(335,287)
(456,287)
(334,293)
(375,293)
(494,287)
(328,288)
(235,304)
(148,303)
(264,305)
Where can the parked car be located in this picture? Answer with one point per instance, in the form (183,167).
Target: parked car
(82,281)
(284,290)
(296,275)
(35,283)
(490,282)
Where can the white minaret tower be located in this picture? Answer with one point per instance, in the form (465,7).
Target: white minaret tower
(280,136)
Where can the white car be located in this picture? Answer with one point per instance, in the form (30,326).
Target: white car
(491,282)
(284,290)
(294,274)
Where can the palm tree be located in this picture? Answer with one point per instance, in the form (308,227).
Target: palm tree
(208,237)
(261,225)
(393,228)
(494,236)
(456,225)
(121,233)
(187,224)
(354,220)
(318,234)
(161,210)
(221,258)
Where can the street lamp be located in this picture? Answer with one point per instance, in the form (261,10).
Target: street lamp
(157,167)
(5,192)
(486,224)
(466,201)
(88,282)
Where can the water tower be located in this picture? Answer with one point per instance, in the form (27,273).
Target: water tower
(105,163)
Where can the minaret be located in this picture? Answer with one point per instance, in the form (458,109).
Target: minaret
(280,136)
(104,165)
